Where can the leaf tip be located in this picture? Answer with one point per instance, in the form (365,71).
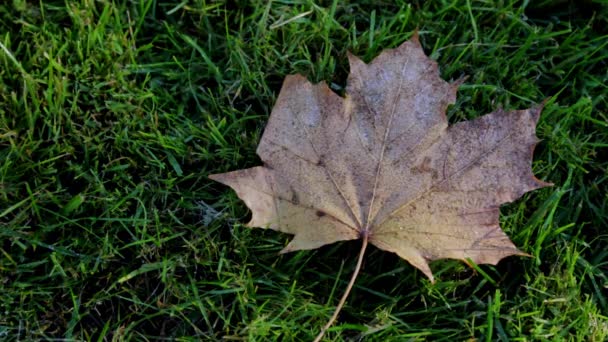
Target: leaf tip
(294,80)
(460,81)
(430,276)
(536,110)
(525,255)
(227,178)
(299,243)
(218,177)
(415,38)
(354,62)
(541,184)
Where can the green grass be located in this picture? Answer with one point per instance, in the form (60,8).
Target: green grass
(113,113)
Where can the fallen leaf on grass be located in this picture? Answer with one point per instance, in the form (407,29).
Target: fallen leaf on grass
(382,165)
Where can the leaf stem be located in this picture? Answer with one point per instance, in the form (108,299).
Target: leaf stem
(364,235)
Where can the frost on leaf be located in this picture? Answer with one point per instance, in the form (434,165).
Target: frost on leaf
(382,163)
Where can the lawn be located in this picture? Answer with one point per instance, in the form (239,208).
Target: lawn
(113,114)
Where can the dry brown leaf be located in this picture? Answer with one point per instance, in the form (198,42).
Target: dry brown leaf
(383,165)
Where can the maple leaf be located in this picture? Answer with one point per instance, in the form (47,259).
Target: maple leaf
(382,165)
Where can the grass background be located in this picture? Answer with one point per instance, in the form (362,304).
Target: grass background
(112,114)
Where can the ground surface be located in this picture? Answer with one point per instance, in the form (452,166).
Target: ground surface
(112,114)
